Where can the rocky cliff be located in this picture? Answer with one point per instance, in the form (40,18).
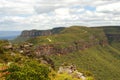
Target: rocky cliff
(75,46)
(35,33)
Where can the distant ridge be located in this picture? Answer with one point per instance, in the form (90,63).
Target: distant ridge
(112,32)
(35,33)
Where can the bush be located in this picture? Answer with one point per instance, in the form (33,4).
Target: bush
(30,70)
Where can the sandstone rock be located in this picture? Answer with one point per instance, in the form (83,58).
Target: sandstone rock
(71,70)
(8,46)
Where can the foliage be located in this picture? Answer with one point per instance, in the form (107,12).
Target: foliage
(29,70)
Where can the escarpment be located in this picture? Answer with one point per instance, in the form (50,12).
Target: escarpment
(74,46)
(68,40)
(35,33)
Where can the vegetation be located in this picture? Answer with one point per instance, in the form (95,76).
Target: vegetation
(29,70)
(102,62)
(97,61)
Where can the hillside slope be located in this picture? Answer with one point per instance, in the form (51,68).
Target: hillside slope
(92,49)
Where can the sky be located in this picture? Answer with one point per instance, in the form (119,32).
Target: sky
(17,15)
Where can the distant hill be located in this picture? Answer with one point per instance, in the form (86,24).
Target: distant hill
(9,35)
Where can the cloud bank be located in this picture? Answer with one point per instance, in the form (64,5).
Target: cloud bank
(46,14)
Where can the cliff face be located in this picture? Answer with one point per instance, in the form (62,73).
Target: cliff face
(75,46)
(35,33)
(113,37)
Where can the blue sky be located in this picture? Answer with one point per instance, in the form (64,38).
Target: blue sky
(17,15)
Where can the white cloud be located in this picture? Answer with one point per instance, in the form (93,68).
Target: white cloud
(62,11)
(113,7)
(45,14)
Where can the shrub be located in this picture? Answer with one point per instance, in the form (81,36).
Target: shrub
(30,70)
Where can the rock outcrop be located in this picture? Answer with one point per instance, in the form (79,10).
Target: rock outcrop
(71,70)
